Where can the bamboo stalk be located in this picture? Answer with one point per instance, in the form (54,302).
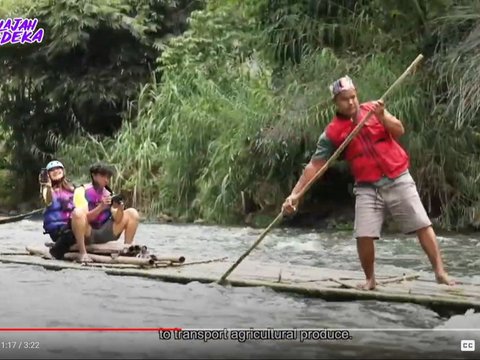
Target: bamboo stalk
(205,261)
(117,250)
(323,169)
(344,284)
(163,264)
(384,282)
(173,259)
(115,266)
(262,235)
(399,278)
(114,250)
(339,278)
(463,293)
(458,282)
(113,260)
(10,219)
(13,253)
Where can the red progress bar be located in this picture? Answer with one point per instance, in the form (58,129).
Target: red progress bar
(105,329)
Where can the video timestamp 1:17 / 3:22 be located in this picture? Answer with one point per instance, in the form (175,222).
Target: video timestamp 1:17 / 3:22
(12,345)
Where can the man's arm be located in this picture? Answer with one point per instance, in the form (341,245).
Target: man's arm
(308,173)
(393,125)
(325,149)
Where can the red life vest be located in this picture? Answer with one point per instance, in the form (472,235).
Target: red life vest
(373,152)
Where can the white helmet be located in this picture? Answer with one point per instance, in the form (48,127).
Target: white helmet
(54,164)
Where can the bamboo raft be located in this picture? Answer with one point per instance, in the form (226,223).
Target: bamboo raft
(328,284)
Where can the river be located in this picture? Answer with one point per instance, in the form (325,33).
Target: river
(35,297)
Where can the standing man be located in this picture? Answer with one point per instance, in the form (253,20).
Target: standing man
(382,179)
(98,217)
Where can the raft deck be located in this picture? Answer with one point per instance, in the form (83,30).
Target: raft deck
(324,283)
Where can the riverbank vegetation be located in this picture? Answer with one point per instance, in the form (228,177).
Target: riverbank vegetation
(210,109)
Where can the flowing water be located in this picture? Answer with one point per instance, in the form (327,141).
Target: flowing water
(35,297)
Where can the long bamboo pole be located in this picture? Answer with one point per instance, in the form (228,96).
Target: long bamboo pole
(10,219)
(324,167)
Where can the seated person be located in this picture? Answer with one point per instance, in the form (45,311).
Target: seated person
(57,194)
(96,218)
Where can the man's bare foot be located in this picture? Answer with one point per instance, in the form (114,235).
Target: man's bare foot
(442,278)
(368,285)
(84,258)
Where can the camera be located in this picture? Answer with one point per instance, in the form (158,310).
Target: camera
(118,199)
(44,176)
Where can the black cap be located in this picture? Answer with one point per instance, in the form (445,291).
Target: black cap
(101,168)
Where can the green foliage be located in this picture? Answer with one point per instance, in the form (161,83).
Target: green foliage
(7,190)
(220,129)
(91,64)
(227,113)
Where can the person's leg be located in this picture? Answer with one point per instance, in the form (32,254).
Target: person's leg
(111,231)
(366,254)
(104,233)
(63,241)
(406,207)
(429,243)
(81,230)
(369,217)
(129,224)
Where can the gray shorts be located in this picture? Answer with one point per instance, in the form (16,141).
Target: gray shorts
(103,235)
(400,199)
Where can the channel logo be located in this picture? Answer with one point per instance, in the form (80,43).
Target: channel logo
(467,345)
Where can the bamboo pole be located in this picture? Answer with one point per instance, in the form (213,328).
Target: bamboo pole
(173,259)
(324,167)
(113,260)
(342,283)
(10,219)
(329,278)
(384,282)
(114,266)
(114,250)
(205,261)
(13,253)
(399,279)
